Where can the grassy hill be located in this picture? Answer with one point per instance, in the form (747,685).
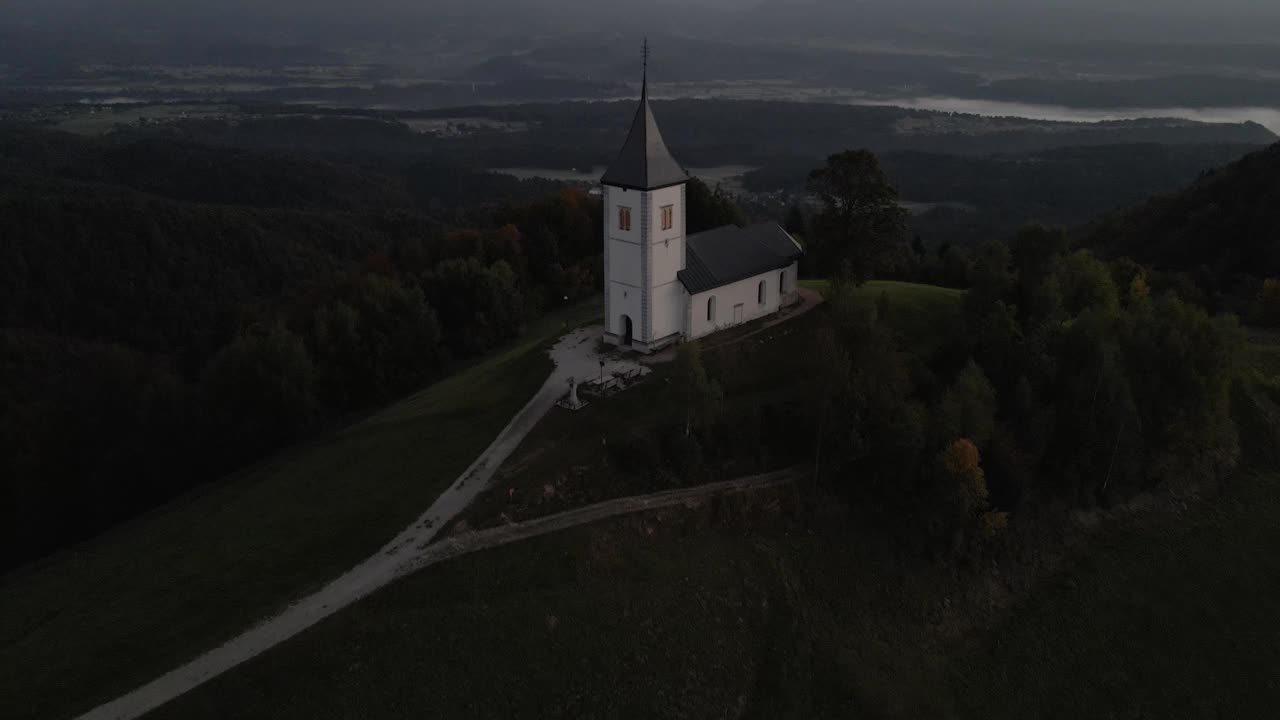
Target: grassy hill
(1166,607)
(88,624)
(763,608)
(686,617)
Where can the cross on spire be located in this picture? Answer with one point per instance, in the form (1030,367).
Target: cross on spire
(644,163)
(644,58)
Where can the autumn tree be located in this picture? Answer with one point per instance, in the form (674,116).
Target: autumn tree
(966,483)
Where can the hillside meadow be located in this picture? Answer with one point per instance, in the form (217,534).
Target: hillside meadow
(780,606)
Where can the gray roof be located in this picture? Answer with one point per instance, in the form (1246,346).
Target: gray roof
(728,254)
(644,163)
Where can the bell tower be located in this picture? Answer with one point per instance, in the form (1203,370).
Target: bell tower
(644,236)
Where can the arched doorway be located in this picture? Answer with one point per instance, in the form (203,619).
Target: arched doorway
(626,331)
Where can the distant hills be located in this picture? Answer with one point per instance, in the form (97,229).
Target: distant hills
(1228,222)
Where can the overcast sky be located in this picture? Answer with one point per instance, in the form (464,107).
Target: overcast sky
(330,23)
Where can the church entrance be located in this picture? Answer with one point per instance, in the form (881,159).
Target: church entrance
(626,331)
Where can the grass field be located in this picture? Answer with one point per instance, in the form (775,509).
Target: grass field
(730,612)
(567,460)
(1173,618)
(733,610)
(1264,353)
(916,311)
(91,623)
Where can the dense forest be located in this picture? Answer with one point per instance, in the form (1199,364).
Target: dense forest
(171,311)
(1064,382)
(1215,240)
(971,178)
(1067,380)
(164,298)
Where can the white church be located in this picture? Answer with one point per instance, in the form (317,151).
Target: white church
(662,286)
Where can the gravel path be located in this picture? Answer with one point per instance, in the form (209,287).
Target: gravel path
(574,356)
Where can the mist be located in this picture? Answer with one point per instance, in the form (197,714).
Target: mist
(1090,53)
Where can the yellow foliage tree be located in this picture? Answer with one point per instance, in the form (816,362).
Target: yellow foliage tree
(1139,289)
(963,464)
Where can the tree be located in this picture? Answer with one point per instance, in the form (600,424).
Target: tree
(1268,312)
(992,279)
(259,390)
(867,420)
(1181,364)
(968,409)
(700,397)
(373,340)
(861,230)
(967,485)
(1085,282)
(795,222)
(706,209)
(829,384)
(962,462)
(1035,249)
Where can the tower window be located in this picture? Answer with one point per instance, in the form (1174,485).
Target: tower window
(624,218)
(668,217)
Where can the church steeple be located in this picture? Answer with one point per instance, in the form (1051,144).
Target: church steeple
(644,70)
(644,163)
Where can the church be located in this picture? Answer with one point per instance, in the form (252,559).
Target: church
(663,287)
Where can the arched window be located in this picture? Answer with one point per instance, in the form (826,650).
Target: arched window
(782,281)
(760,293)
(711,309)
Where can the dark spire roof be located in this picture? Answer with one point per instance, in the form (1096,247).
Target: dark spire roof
(644,163)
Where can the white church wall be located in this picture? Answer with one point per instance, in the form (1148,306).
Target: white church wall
(668,260)
(744,293)
(789,284)
(673,197)
(624,262)
(668,310)
(667,300)
(620,198)
(623,301)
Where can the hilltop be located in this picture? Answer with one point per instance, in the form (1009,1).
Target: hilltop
(1221,233)
(1226,220)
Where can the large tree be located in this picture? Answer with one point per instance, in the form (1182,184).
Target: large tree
(709,208)
(861,229)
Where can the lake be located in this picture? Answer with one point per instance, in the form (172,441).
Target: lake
(1265,116)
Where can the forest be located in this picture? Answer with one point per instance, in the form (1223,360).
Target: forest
(1068,379)
(164,298)
(171,312)
(973,177)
